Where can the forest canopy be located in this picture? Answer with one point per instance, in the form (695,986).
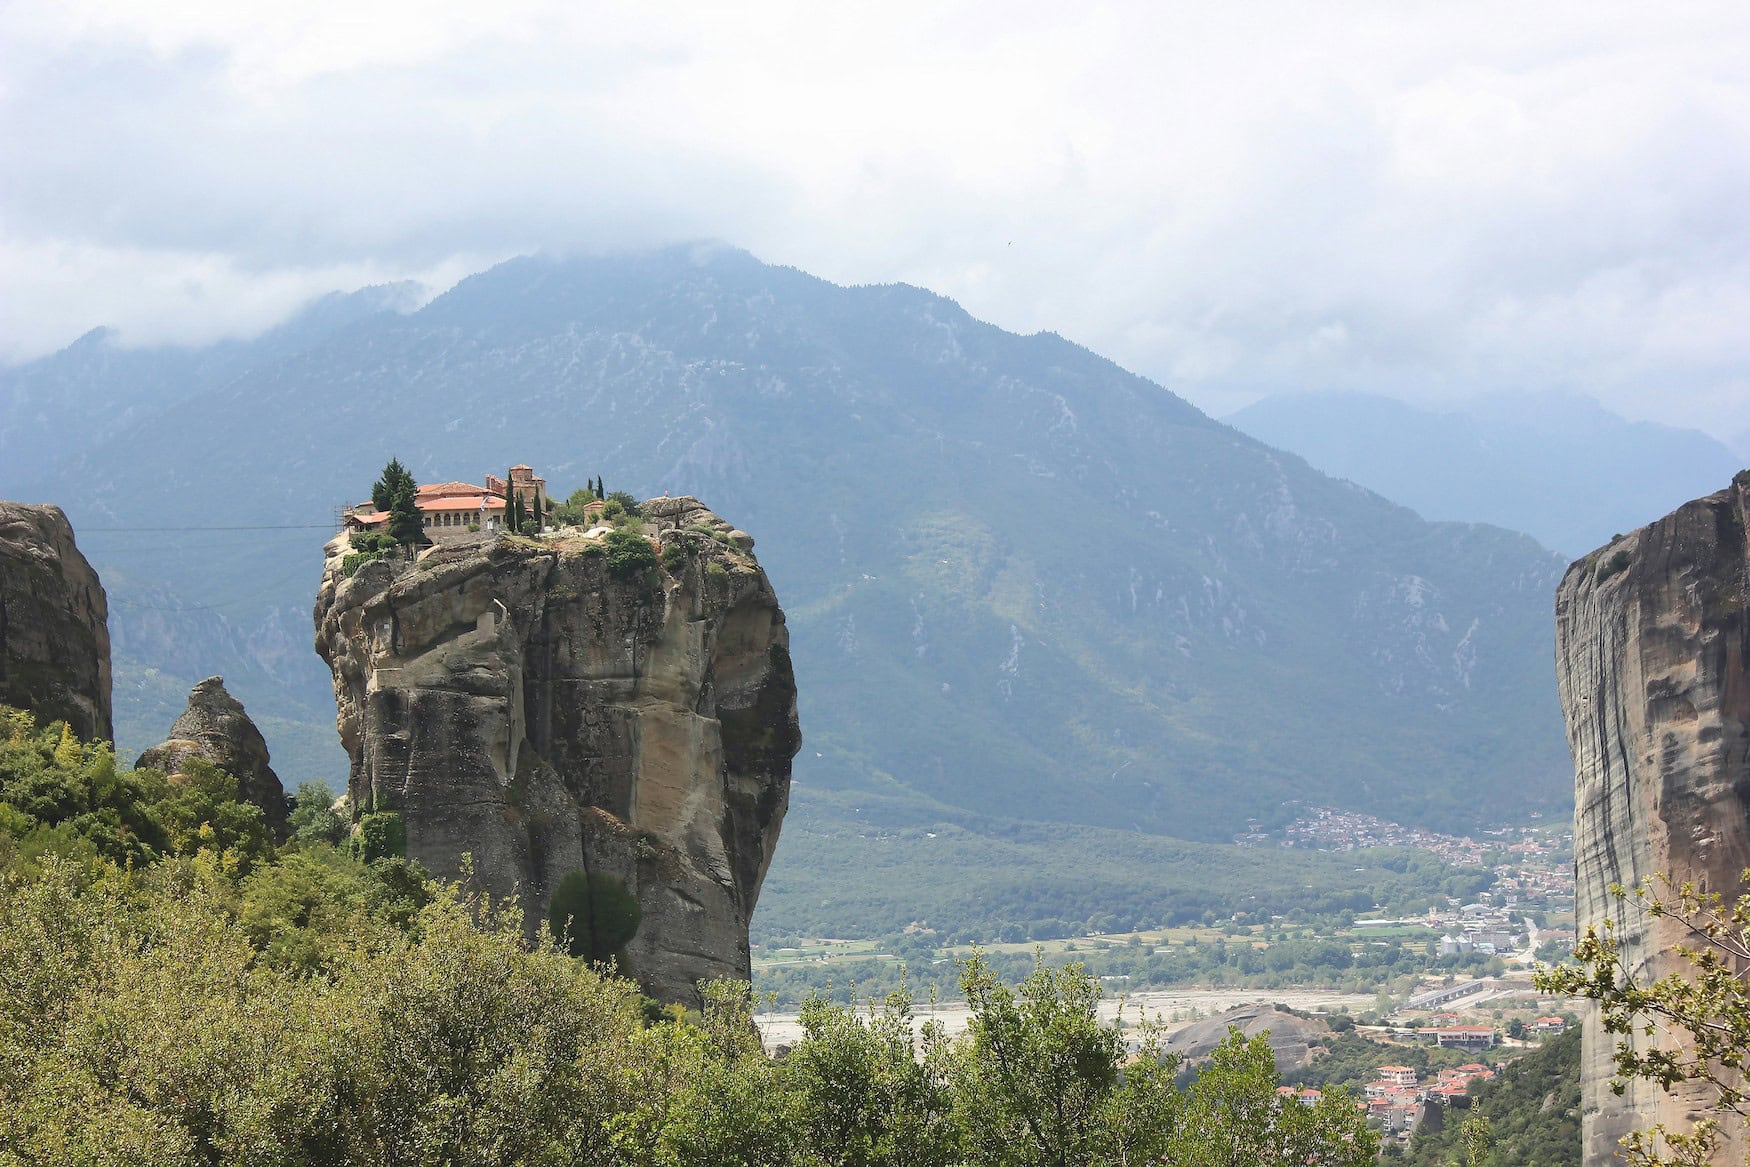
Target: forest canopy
(174,990)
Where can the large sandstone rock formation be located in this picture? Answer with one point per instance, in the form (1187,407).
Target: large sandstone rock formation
(54,623)
(1653,657)
(215,727)
(1291,1037)
(519,702)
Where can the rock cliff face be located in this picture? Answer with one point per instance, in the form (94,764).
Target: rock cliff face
(526,703)
(1653,660)
(54,623)
(215,727)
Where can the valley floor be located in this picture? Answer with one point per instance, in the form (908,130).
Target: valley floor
(1174,1008)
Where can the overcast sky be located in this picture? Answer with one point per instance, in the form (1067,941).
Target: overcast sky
(1232,197)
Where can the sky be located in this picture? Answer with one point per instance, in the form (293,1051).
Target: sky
(1233,198)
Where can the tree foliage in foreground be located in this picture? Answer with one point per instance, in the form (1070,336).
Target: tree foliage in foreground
(198,1004)
(141,1023)
(1692,1025)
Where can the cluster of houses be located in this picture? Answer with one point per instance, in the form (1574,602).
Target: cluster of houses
(1396,1098)
(1480,927)
(1324,828)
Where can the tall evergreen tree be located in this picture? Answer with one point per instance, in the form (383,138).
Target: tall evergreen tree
(405,525)
(395,476)
(396,492)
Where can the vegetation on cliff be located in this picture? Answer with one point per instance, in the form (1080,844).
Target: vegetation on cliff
(1691,1025)
(218,1002)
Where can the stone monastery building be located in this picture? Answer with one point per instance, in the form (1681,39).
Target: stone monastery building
(450,508)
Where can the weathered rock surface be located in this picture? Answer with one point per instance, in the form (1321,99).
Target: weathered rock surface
(216,727)
(54,623)
(1653,663)
(518,702)
(1291,1037)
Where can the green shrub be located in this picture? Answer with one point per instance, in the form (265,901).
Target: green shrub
(1616,563)
(357,559)
(382,835)
(592,915)
(716,570)
(674,556)
(368,541)
(629,553)
(313,819)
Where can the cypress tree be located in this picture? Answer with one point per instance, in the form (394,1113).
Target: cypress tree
(405,525)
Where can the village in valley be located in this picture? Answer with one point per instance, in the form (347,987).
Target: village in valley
(1471,1013)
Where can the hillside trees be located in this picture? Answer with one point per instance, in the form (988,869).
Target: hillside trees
(1533,1112)
(215,1001)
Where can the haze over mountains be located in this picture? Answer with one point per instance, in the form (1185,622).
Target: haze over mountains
(1024,585)
(1556,466)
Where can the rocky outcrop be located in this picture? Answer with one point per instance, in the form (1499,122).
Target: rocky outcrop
(1653,658)
(1291,1036)
(543,710)
(216,727)
(54,623)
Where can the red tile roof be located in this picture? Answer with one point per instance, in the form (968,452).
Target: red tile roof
(470,503)
(442,489)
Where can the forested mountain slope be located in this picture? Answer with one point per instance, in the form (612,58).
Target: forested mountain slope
(1021,581)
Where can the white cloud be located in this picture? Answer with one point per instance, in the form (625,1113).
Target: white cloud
(1417,199)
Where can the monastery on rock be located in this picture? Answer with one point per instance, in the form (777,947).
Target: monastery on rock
(449,509)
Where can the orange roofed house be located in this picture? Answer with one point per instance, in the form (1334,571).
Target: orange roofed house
(450,508)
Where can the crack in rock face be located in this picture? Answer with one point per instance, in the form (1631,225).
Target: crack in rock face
(529,711)
(1653,668)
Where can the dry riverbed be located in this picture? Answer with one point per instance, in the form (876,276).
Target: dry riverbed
(1175,1008)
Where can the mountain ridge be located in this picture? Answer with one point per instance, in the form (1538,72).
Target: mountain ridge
(1558,466)
(1020,577)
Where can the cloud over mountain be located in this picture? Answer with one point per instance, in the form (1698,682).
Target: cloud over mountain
(1231,199)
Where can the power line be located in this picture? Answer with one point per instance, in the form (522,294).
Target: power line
(270,527)
(256,595)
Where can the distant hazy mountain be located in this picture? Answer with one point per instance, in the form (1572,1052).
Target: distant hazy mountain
(1557,466)
(1023,583)
(95,389)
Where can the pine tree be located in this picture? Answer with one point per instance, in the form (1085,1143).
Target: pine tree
(405,525)
(395,476)
(397,492)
